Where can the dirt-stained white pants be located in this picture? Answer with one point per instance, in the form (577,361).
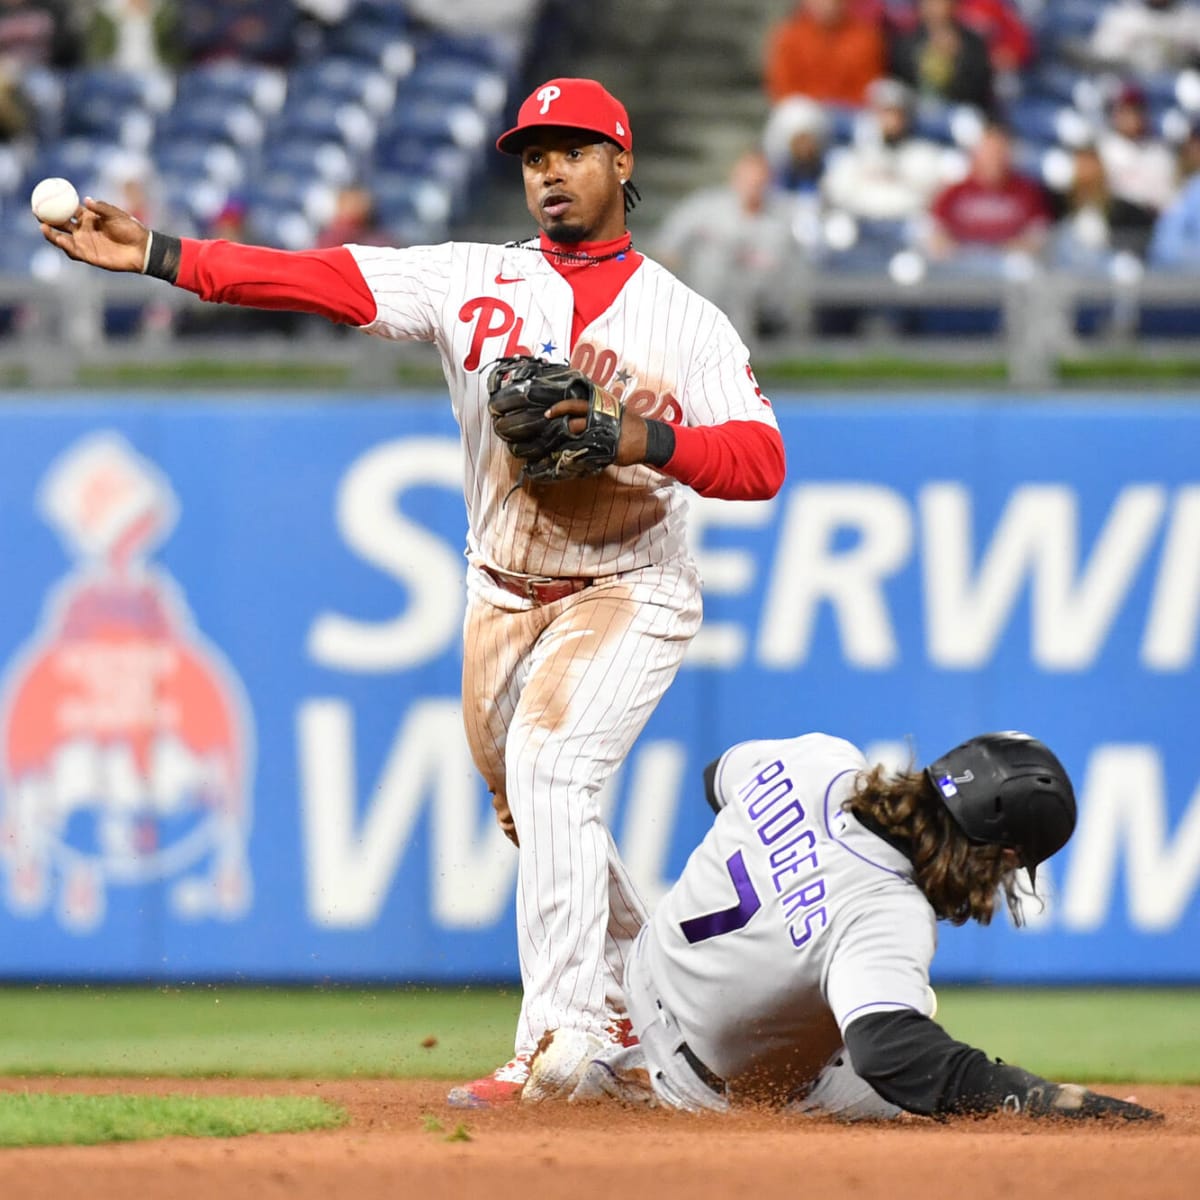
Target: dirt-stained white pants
(656,1064)
(554,697)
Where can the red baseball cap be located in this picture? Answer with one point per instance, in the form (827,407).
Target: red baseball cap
(569,104)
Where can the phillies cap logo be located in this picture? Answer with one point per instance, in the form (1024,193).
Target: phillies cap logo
(547,96)
(125,741)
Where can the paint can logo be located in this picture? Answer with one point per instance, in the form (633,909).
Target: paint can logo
(125,739)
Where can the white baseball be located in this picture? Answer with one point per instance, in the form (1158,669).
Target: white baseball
(54,201)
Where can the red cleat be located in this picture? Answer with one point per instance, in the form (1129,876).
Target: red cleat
(502,1086)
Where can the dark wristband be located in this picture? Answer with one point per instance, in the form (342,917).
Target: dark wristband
(660,443)
(164,256)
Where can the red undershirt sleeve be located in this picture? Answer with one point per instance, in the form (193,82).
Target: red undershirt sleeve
(738,460)
(326,282)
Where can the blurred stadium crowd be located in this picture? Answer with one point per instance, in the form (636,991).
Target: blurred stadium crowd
(914,139)
(285,122)
(951,139)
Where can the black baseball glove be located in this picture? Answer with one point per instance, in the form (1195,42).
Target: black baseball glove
(521,388)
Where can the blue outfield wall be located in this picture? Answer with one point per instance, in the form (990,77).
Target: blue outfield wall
(230,740)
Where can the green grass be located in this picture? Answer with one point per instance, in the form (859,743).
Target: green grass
(214,371)
(877,369)
(1092,1034)
(282,1033)
(37,1119)
(1126,368)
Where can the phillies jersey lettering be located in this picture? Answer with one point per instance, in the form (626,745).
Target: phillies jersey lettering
(837,928)
(666,351)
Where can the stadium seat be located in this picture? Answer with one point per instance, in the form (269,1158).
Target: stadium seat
(115,105)
(404,203)
(435,124)
(387,14)
(263,88)
(345,79)
(497,51)
(391,52)
(300,155)
(326,118)
(201,158)
(214,118)
(456,81)
(78,159)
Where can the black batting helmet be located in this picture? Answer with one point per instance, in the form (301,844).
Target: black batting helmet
(1010,790)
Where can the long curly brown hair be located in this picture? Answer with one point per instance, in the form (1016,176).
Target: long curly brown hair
(961,879)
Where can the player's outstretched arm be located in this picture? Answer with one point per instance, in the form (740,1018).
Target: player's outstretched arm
(913,1062)
(103,236)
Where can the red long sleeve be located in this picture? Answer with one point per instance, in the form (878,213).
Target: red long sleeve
(326,282)
(739,460)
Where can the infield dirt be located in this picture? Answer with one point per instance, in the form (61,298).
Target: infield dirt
(396,1145)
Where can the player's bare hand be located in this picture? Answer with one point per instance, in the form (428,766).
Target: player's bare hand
(632,446)
(102,235)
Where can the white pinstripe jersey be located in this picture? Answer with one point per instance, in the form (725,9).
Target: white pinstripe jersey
(789,920)
(663,349)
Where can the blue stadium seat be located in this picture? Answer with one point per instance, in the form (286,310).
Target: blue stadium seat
(497,51)
(1065,21)
(435,124)
(214,118)
(389,51)
(455,81)
(81,160)
(301,155)
(405,204)
(1035,119)
(326,118)
(446,163)
(115,105)
(345,79)
(386,14)
(263,88)
(201,158)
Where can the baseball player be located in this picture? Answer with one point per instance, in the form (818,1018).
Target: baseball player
(789,965)
(582,597)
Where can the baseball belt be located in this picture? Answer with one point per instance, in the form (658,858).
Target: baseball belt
(541,589)
(705,1074)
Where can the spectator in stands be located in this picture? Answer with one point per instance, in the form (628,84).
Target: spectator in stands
(733,243)
(794,141)
(230,221)
(1141,168)
(1008,39)
(354,222)
(261,31)
(942,59)
(1148,36)
(795,138)
(1175,242)
(137,36)
(1091,223)
(888,173)
(979,223)
(40,33)
(14,105)
(825,51)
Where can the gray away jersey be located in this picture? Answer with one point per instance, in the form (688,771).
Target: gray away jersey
(790,920)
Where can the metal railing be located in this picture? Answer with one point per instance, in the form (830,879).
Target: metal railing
(57,332)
